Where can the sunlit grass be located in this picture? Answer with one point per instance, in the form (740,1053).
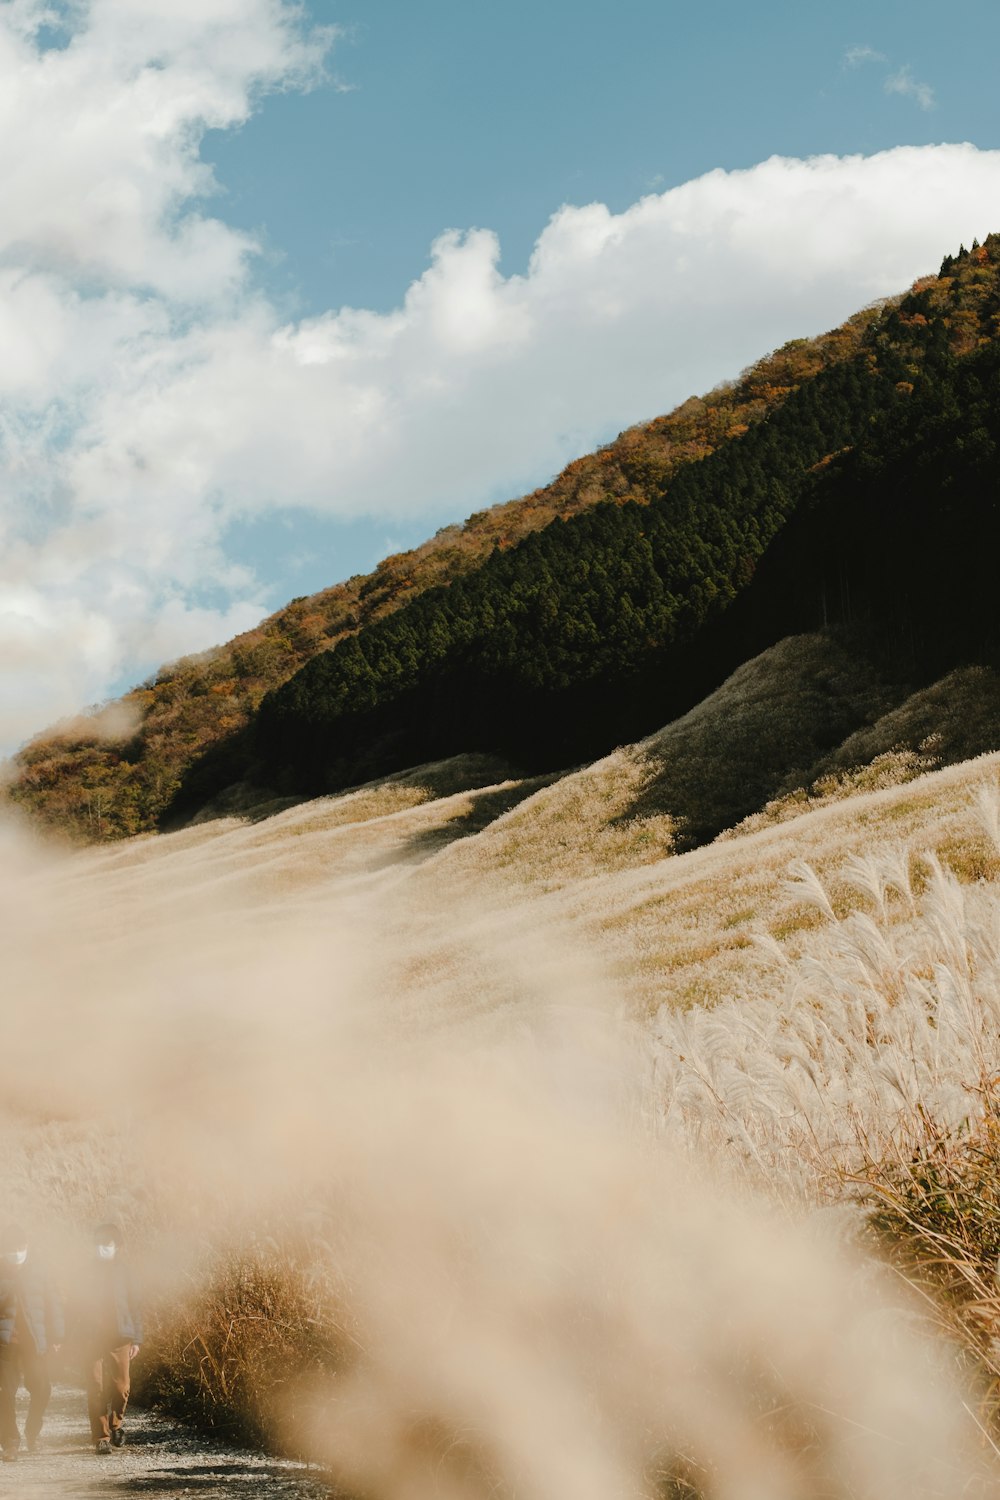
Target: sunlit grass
(817,998)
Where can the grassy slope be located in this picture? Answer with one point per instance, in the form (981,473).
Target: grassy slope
(462,932)
(806,723)
(760,731)
(678,929)
(438,892)
(464,847)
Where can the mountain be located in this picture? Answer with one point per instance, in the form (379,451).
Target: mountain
(557,626)
(867,498)
(185,727)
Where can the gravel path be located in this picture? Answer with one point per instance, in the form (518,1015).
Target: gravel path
(160,1458)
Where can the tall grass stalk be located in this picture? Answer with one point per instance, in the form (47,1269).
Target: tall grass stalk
(872,1073)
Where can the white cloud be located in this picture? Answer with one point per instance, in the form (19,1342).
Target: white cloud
(99,140)
(855,56)
(149,396)
(899,81)
(903,82)
(104,262)
(479,383)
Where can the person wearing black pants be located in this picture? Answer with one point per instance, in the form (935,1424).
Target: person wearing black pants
(31,1326)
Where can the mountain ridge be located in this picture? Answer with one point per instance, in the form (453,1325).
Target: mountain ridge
(195,716)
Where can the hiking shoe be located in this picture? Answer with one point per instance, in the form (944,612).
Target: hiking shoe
(118,1438)
(10,1455)
(103,1446)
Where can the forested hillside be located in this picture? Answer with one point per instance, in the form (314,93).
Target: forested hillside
(557,625)
(541,648)
(869,496)
(189,719)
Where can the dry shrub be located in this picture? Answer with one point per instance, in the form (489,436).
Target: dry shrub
(240,1349)
(936,1214)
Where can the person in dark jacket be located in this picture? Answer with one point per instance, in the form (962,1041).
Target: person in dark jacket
(31,1326)
(112,1334)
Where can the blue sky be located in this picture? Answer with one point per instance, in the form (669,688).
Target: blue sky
(454,114)
(463,113)
(283,288)
(458,114)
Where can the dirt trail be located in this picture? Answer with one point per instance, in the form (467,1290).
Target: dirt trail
(160,1458)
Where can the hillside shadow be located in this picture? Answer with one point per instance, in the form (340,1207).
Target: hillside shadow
(254,803)
(486,807)
(216,772)
(712,771)
(763,731)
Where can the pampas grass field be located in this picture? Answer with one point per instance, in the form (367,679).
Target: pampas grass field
(475,1143)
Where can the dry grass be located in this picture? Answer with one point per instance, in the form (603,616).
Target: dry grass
(954,720)
(935,1210)
(413,1206)
(951,721)
(868,1071)
(583,821)
(239,1346)
(890,769)
(777,714)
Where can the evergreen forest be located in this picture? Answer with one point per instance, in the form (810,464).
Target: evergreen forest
(868,497)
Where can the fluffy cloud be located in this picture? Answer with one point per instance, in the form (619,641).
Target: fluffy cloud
(478,383)
(149,396)
(99,138)
(105,264)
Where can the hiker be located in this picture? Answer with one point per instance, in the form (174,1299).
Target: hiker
(111,1332)
(31,1327)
